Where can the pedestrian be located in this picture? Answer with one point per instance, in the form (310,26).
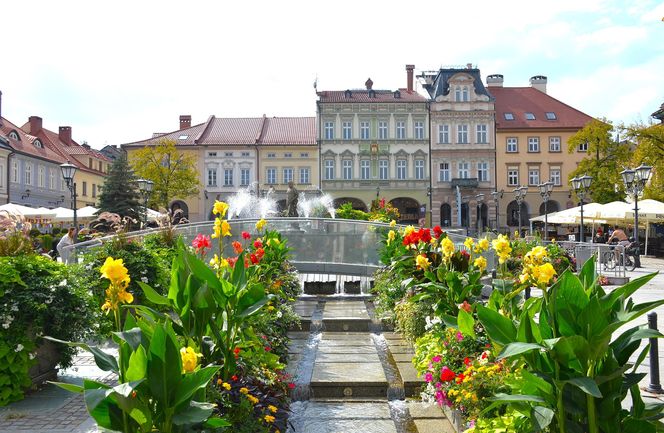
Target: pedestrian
(65,241)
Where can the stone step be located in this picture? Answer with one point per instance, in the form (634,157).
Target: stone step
(341,417)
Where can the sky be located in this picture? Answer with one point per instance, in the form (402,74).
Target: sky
(118,71)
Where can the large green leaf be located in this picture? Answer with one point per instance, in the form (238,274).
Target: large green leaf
(133,337)
(516,397)
(202,271)
(499,328)
(196,413)
(152,295)
(103,360)
(587,385)
(541,417)
(138,363)
(518,348)
(251,309)
(69,387)
(217,423)
(587,274)
(164,366)
(192,383)
(626,290)
(466,323)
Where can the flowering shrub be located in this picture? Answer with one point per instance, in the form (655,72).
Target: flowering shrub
(383,211)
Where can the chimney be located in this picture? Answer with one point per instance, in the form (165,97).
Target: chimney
(185,121)
(495,80)
(538,82)
(469,66)
(409,74)
(369,84)
(64,134)
(35,124)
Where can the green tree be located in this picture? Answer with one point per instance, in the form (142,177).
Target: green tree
(606,158)
(119,194)
(649,141)
(174,174)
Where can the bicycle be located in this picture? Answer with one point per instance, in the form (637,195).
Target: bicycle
(610,261)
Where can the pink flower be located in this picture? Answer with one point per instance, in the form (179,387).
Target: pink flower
(436,358)
(428,377)
(459,336)
(439,385)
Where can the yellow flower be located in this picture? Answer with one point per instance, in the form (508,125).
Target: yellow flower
(115,271)
(408,230)
(244,390)
(447,247)
(225,228)
(260,224)
(269,418)
(393,223)
(226,386)
(252,399)
(536,256)
(272,409)
(216,229)
(272,241)
(189,359)
(390,236)
(422,262)
(502,247)
(220,208)
(546,273)
(469,242)
(482,245)
(480,263)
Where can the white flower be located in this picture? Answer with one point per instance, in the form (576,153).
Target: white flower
(19,348)
(279,314)
(14,307)
(63,283)
(6,325)
(32,356)
(144,279)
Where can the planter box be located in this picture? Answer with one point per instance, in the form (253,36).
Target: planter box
(45,369)
(456,418)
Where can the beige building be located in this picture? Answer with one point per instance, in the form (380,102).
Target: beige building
(375,143)
(532,133)
(463,162)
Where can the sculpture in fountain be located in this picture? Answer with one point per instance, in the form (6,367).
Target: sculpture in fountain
(291,200)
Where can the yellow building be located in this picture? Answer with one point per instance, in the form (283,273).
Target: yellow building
(532,133)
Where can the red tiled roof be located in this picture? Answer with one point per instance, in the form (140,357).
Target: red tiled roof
(52,140)
(25,144)
(232,131)
(362,95)
(191,134)
(521,100)
(289,130)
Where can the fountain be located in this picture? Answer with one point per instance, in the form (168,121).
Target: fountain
(317,206)
(246,203)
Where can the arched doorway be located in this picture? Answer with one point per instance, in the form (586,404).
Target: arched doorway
(445,215)
(355,202)
(409,209)
(551,206)
(179,211)
(513,214)
(465,215)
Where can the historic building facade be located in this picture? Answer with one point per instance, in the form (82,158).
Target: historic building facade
(375,143)
(463,161)
(532,133)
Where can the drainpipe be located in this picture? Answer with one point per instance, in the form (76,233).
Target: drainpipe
(8,170)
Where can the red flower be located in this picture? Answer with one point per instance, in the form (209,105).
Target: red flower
(258,244)
(231,261)
(254,259)
(382,202)
(467,361)
(425,235)
(465,254)
(237,247)
(437,232)
(260,252)
(466,307)
(234,378)
(201,242)
(446,374)
(267,348)
(246,235)
(291,385)
(236,351)
(460,378)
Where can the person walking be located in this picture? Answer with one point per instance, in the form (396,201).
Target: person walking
(65,241)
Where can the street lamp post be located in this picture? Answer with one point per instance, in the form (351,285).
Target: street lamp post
(581,185)
(145,187)
(520,196)
(545,191)
(497,195)
(430,195)
(480,199)
(635,181)
(68,173)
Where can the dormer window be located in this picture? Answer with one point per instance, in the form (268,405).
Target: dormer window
(397,94)
(550,115)
(348,94)
(461,94)
(183,137)
(530,116)
(14,136)
(372,93)
(509,116)
(38,144)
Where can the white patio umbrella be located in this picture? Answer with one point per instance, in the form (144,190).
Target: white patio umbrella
(86,212)
(16,209)
(63,214)
(649,211)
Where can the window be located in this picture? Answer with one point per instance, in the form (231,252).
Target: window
(304,175)
(271,176)
(41,178)
(444,172)
(443,134)
(530,116)
(38,144)
(364,130)
(533,144)
(211,154)
(228,177)
(212,177)
(347,166)
(583,147)
(483,171)
(329,169)
(14,136)
(304,155)
(401,169)
(383,165)
(401,130)
(419,130)
(90,162)
(15,171)
(509,116)
(533,176)
(382,130)
(364,169)
(228,154)
(288,155)
(51,178)
(183,137)
(329,130)
(554,175)
(244,176)
(85,189)
(271,155)
(550,115)
(288,175)
(512,144)
(347,130)
(419,169)
(482,134)
(461,94)
(554,144)
(94,190)
(245,154)
(462,133)
(513,176)
(28,174)
(464,170)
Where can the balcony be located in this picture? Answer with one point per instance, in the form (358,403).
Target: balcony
(471,182)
